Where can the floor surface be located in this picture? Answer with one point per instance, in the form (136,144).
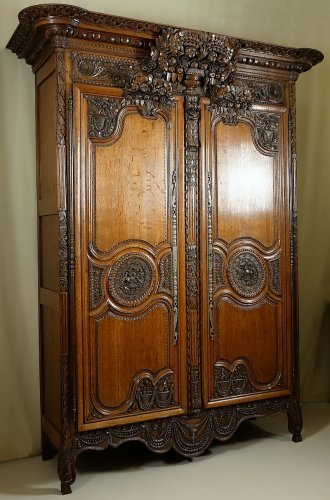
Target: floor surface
(259,462)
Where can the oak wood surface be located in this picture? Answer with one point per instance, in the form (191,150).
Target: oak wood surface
(167,222)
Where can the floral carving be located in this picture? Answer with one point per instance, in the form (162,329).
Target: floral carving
(229,102)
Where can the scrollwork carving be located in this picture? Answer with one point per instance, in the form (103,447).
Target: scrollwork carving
(100,70)
(266,93)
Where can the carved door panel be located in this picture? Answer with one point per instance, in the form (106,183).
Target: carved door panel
(245,247)
(129,189)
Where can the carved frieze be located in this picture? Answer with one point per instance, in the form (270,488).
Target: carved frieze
(246,273)
(101,70)
(266,92)
(131,279)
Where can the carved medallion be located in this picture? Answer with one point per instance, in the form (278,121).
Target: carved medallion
(246,273)
(131,279)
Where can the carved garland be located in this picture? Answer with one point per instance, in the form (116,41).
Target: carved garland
(188,436)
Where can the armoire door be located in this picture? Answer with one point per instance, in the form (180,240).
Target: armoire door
(130,284)
(245,256)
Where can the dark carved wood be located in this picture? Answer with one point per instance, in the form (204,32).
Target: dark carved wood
(73,16)
(131,279)
(294,414)
(275,275)
(246,273)
(180,78)
(189,436)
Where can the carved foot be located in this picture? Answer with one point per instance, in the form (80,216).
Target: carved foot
(295,421)
(67,470)
(48,451)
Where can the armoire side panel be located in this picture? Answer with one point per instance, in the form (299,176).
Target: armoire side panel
(48,239)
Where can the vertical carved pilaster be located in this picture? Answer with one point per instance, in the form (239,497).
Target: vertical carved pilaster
(192,117)
(210,253)
(294,413)
(175,258)
(67,457)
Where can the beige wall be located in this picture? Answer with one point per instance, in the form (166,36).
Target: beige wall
(296,23)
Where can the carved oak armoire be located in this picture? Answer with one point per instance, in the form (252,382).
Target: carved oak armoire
(166,173)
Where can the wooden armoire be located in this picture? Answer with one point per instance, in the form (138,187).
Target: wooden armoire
(166,173)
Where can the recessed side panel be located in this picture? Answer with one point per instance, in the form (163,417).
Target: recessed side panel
(246,327)
(131,338)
